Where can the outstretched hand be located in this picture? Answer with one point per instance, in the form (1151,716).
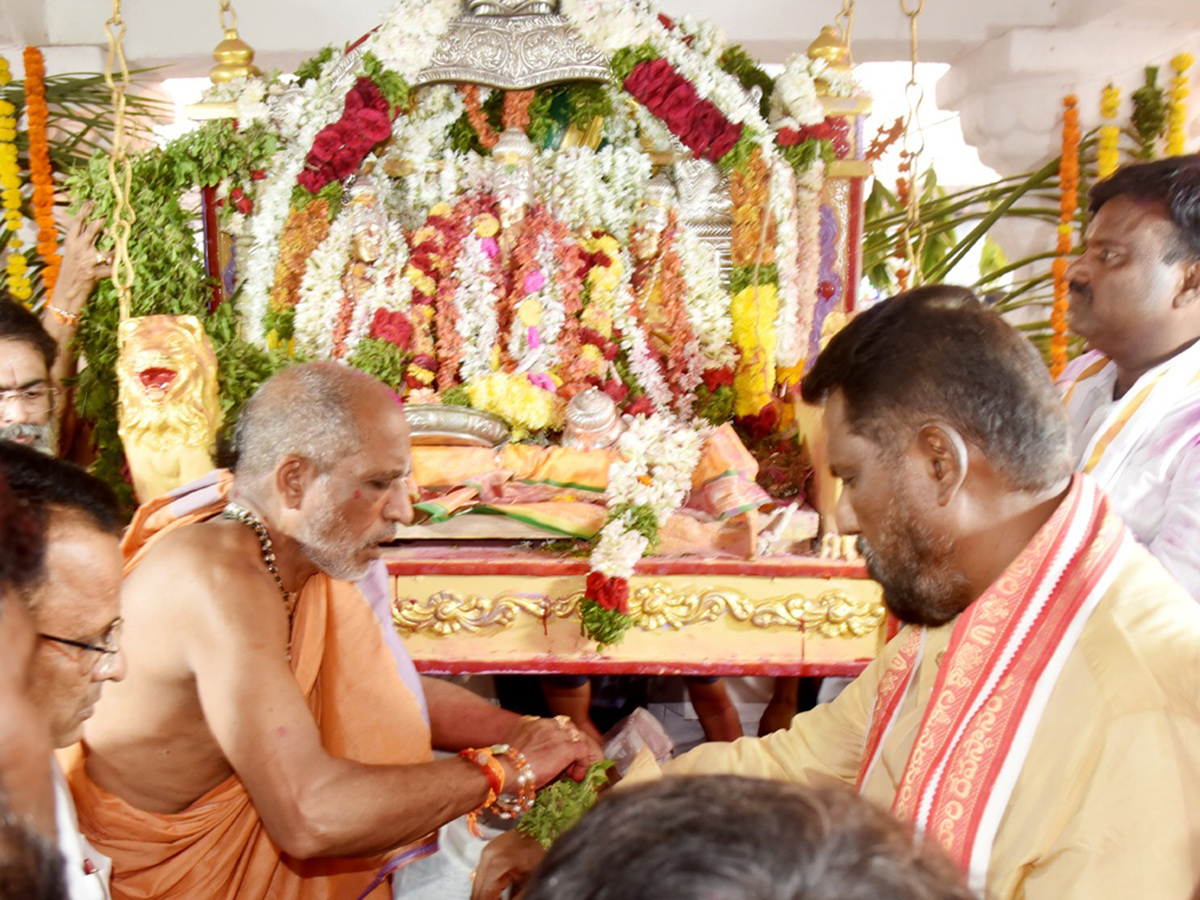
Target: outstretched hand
(553,746)
(82,263)
(507,861)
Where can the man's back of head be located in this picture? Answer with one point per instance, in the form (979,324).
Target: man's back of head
(724,837)
(936,353)
(44,484)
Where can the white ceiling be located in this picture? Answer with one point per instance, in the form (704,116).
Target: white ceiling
(1012,60)
(183,32)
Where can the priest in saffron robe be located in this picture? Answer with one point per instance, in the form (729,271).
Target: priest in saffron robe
(1039,715)
(1134,399)
(269,743)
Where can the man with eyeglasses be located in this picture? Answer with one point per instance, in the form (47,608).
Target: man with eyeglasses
(27,390)
(35,355)
(30,864)
(75,606)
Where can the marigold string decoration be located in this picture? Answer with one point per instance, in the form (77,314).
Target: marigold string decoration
(1110,132)
(41,175)
(17,265)
(1177,108)
(1068,176)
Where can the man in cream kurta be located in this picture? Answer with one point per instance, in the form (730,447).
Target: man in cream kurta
(1134,400)
(1107,805)
(1039,717)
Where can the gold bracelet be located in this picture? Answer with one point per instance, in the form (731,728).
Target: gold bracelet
(61,315)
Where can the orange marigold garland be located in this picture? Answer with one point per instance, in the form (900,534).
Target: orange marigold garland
(1068,177)
(477,117)
(40,173)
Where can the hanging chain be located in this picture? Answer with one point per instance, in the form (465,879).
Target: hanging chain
(120,172)
(845,21)
(227,8)
(913,234)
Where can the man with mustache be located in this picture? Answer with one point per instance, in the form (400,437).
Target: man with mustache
(272,740)
(1134,399)
(74,603)
(28,395)
(1038,715)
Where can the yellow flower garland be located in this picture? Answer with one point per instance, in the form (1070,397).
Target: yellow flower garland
(524,405)
(1107,155)
(17,265)
(753,310)
(1177,108)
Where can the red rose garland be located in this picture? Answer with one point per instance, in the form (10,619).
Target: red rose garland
(340,148)
(700,125)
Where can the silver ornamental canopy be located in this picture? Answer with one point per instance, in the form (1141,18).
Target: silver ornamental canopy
(513,45)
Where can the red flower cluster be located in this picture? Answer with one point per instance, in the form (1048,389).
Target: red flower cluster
(392,327)
(699,124)
(611,593)
(339,148)
(761,424)
(241,202)
(835,129)
(715,378)
(642,406)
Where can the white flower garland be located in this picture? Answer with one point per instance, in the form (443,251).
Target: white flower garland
(794,102)
(478,323)
(389,289)
(658,456)
(321,293)
(707,302)
(319,105)
(649,374)
(409,35)
(589,189)
(838,82)
(782,203)
(808,248)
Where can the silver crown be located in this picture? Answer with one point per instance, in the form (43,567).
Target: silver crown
(513,45)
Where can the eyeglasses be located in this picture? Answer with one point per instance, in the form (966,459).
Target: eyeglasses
(101,658)
(36,401)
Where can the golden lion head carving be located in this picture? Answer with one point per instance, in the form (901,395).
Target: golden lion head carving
(169,408)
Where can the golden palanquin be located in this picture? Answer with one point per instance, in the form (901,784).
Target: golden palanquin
(495,608)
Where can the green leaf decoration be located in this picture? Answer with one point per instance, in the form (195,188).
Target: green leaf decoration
(738,63)
(312,67)
(626,60)
(604,626)
(561,804)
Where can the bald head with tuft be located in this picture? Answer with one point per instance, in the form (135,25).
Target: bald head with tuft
(310,411)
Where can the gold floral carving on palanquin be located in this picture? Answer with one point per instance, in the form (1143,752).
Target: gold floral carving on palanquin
(832,613)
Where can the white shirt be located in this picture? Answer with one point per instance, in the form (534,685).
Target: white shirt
(87,871)
(1157,490)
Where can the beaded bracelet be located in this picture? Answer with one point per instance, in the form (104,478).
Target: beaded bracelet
(491,768)
(526,792)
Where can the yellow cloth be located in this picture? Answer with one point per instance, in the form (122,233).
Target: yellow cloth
(218,846)
(1107,804)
